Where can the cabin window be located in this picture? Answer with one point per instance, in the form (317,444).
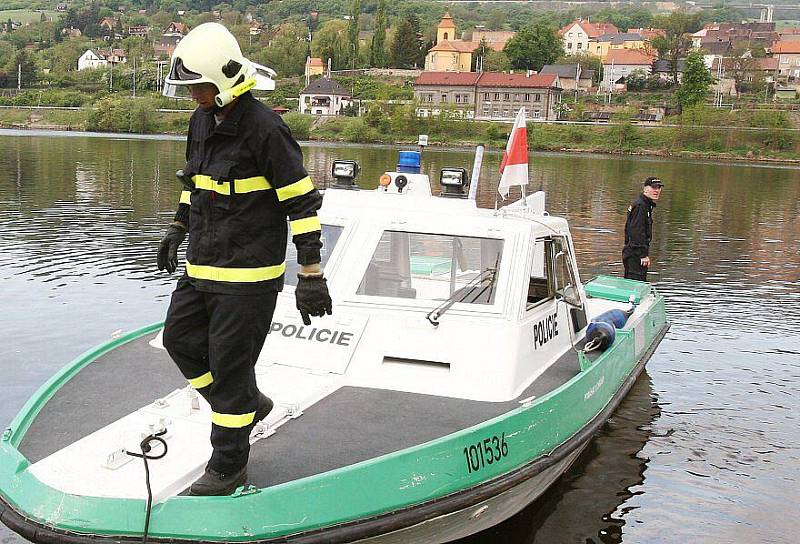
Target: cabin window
(435,267)
(540,286)
(552,273)
(564,274)
(330,236)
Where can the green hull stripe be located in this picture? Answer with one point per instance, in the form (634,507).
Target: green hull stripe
(398,480)
(20,425)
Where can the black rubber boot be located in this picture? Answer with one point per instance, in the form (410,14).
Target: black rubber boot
(214,483)
(264,407)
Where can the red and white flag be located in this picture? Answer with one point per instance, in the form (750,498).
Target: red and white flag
(514,168)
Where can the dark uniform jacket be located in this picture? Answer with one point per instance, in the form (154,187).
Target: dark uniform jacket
(248,178)
(639,228)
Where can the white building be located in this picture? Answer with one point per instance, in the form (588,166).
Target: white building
(95,58)
(620,63)
(324,97)
(576,35)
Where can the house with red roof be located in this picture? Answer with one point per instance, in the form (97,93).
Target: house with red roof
(173,34)
(488,95)
(576,35)
(649,33)
(788,54)
(97,58)
(741,74)
(314,67)
(620,63)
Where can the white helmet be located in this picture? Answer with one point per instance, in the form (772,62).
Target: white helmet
(211,54)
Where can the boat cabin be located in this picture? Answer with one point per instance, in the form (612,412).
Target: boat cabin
(431,293)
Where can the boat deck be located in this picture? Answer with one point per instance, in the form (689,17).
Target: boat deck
(350,425)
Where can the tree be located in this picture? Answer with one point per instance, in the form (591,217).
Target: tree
(404,51)
(696,80)
(625,18)
(421,46)
(637,80)
(480,57)
(285,54)
(330,42)
(676,43)
(746,72)
(586,61)
(27,67)
(496,61)
(496,19)
(534,46)
(352,30)
(377,51)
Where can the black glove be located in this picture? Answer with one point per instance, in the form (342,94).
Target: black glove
(168,248)
(312,298)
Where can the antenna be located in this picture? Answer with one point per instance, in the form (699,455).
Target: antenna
(476,172)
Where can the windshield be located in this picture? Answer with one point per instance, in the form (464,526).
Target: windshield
(433,267)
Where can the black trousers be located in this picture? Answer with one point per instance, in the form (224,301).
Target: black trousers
(634,270)
(215,340)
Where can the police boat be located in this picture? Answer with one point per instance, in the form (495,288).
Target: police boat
(454,382)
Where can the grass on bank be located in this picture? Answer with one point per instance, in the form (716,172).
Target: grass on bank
(399,125)
(26,15)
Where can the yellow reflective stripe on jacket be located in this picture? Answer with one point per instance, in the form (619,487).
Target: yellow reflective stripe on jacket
(302,226)
(186,197)
(297,188)
(233,421)
(245,185)
(207,184)
(202,381)
(248,185)
(242,275)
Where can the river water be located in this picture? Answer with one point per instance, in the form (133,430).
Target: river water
(704,449)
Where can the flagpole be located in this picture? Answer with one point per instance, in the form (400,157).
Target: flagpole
(522,187)
(514,165)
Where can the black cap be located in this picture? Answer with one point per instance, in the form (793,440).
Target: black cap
(653,182)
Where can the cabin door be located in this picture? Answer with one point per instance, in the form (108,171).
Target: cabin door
(553,278)
(565,277)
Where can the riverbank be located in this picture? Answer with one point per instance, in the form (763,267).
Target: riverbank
(764,144)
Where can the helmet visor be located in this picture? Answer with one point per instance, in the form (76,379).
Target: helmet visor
(179,72)
(265,77)
(176,91)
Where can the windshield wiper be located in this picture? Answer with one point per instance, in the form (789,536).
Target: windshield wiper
(462,294)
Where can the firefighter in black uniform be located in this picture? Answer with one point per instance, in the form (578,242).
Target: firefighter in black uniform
(245,176)
(639,230)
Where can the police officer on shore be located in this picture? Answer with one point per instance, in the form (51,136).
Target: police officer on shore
(245,177)
(639,230)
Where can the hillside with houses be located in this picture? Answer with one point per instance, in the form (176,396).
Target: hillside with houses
(645,65)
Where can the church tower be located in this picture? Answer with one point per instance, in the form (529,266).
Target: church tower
(446,31)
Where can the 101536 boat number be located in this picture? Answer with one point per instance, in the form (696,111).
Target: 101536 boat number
(486,452)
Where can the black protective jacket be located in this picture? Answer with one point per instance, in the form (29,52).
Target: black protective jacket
(248,178)
(639,228)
